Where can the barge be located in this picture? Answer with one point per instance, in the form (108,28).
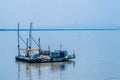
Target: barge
(37,55)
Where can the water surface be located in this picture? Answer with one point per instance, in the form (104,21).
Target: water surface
(97,56)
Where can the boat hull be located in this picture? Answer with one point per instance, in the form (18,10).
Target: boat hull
(27,59)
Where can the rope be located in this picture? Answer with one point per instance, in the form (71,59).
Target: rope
(22,40)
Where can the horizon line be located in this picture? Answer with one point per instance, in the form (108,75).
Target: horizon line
(61,29)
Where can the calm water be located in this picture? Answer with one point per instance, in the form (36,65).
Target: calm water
(97,56)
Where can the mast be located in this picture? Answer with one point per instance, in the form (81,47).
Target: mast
(39,46)
(27,44)
(18,40)
(30,38)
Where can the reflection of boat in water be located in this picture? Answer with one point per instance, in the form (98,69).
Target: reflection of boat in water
(38,69)
(37,55)
(52,66)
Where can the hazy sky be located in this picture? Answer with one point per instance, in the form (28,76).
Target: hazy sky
(60,12)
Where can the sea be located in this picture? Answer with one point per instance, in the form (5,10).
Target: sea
(97,55)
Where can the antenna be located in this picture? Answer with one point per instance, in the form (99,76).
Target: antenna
(49,47)
(18,40)
(60,47)
(74,54)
